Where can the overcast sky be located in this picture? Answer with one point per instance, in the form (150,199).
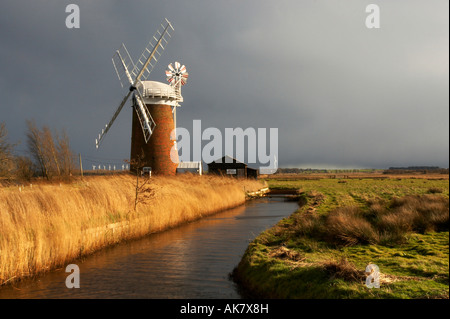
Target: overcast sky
(340,94)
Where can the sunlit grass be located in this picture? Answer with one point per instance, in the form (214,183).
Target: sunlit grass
(401,225)
(342,192)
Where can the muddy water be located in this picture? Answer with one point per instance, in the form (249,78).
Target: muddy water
(191,261)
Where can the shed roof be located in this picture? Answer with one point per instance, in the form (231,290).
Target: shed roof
(227,160)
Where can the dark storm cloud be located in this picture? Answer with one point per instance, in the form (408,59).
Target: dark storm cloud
(341,95)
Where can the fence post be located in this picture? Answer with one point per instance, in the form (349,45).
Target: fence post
(81,165)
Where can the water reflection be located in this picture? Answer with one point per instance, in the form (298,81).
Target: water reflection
(191,261)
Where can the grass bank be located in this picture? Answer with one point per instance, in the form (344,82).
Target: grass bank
(46,226)
(343,225)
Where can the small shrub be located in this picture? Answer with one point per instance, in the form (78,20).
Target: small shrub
(343,269)
(434,190)
(310,225)
(24,169)
(348,226)
(414,214)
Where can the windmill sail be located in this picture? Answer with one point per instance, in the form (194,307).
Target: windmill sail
(145,119)
(122,63)
(108,126)
(152,52)
(141,70)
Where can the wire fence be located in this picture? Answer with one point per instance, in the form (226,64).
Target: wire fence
(90,165)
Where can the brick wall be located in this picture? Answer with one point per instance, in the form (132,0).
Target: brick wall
(157,150)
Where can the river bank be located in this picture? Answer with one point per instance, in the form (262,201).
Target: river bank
(321,251)
(45,226)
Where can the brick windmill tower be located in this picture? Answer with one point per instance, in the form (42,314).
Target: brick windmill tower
(154,103)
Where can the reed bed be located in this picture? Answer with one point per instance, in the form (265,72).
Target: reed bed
(46,226)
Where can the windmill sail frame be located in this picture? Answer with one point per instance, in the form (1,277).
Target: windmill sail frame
(142,69)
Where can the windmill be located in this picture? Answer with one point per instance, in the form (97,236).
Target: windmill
(154,104)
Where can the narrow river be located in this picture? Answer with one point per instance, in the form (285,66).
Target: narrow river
(191,261)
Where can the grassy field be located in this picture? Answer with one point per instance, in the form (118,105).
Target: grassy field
(343,225)
(44,226)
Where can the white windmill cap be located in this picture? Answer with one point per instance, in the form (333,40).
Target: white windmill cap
(160,93)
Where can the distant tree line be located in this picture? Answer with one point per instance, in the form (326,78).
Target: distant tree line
(314,170)
(416,170)
(48,154)
(391,170)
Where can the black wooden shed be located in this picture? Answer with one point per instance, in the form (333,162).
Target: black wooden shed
(230,166)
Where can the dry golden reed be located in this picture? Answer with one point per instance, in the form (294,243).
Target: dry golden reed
(46,226)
